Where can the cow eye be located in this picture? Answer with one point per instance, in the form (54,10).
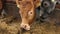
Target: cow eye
(29,13)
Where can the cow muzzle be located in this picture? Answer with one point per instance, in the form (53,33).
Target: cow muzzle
(25,26)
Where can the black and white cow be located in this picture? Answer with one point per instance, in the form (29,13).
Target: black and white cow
(47,6)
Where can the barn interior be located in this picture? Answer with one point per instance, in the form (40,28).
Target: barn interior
(10,20)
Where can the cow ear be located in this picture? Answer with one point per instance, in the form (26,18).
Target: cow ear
(19,3)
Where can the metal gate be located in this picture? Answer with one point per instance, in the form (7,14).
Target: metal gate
(11,8)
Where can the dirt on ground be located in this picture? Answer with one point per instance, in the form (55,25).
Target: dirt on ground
(10,25)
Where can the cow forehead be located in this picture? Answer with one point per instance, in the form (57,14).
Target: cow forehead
(25,5)
(24,2)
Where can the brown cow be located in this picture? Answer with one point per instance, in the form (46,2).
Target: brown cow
(27,11)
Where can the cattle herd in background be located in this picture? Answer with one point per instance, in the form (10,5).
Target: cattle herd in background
(30,10)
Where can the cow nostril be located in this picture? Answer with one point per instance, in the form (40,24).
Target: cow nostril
(25,26)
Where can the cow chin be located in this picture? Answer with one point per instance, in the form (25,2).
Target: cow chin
(25,26)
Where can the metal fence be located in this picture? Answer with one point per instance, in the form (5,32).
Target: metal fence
(11,9)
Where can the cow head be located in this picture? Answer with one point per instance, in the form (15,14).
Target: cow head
(47,7)
(27,12)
